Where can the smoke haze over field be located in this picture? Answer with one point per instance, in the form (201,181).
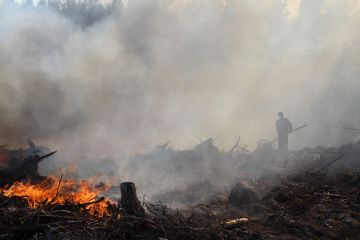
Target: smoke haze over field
(121,79)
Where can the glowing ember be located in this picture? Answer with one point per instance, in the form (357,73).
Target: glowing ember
(50,192)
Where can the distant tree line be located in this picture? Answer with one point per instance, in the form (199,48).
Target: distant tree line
(83,12)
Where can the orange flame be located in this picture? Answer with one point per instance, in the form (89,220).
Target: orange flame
(55,192)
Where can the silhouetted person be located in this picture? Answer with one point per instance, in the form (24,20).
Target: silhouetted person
(283,127)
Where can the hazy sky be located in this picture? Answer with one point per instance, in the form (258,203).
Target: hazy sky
(152,71)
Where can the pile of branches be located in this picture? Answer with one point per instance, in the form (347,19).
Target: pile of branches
(51,221)
(317,158)
(73,221)
(310,205)
(314,205)
(306,205)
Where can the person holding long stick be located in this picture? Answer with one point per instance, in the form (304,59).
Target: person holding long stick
(283,127)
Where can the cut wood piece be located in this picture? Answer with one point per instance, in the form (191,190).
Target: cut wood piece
(129,201)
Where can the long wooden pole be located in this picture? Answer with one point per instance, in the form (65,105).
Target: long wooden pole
(294,130)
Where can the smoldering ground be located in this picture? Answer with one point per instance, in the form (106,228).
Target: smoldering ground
(119,80)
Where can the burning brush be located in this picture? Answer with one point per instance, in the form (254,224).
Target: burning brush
(19,178)
(62,194)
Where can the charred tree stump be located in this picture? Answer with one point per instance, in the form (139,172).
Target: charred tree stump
(26,170)
(129,201)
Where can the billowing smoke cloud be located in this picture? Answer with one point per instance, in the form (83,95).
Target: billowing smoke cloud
(121,79)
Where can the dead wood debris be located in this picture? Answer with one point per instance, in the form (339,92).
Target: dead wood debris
(304,204)
(310,205)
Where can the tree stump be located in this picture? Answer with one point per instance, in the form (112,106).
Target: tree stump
(129,201)
(25,170)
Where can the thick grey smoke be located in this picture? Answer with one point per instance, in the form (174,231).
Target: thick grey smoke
(121,79)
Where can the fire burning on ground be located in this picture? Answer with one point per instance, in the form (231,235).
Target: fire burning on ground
(310,202)
(69,192)
(103,81)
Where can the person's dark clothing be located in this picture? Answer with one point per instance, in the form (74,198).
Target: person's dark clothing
(283,127)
